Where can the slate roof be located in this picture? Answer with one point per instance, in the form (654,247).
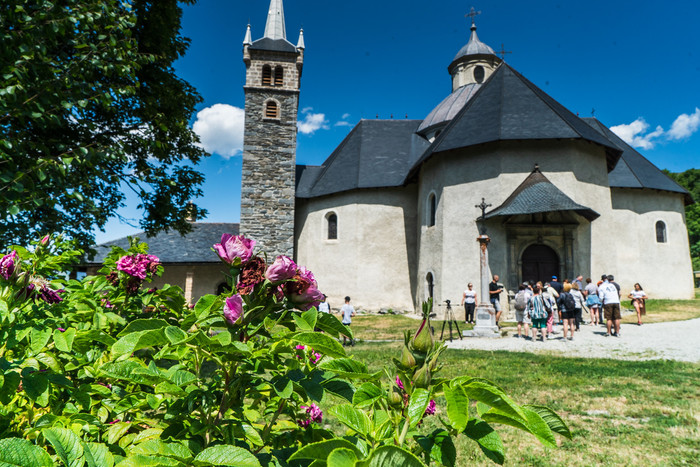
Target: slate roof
(275,45)
(376,153)
(537,194)
(474,46)
(449,107)
(633,170)
(509,107)
(171,247)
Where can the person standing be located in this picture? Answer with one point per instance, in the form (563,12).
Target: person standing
(579,281)
(639,297)
(324,307)
(578,305)
(494,296)
(567,310)
(538,309)
(556,285)
(347,311)
(611,306)
(520,302)
(469,302)
(592,301)
(555,316)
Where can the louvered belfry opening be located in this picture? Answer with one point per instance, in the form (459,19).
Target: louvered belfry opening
(267,75)
(271,110)
(279,76)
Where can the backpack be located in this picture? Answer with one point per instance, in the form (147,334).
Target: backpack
(568,301)
(520,300)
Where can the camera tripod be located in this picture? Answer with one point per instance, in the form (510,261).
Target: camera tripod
(450,320)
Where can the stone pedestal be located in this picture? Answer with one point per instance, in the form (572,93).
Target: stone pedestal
(485,313)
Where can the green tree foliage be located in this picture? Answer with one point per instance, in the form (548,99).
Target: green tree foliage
(690,180)
(90,106)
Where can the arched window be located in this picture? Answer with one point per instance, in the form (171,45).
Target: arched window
(430,284)
(432,209)
(279,76)
(267,75)
(332,220)
(660,232)
(271,110)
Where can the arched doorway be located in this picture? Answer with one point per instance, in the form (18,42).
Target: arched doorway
(540,263)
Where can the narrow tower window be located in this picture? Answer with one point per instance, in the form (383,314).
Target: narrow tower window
(267,75)
(479,74)
(432,209)
(332,226)
(279,76)
(660,232)
(271,110)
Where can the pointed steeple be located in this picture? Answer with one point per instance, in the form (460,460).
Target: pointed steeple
(248,40)
(274,28)
(300,42)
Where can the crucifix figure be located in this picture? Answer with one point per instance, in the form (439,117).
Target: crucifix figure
(483,207)
(472,14)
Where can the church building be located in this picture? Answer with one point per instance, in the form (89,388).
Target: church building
(390,218)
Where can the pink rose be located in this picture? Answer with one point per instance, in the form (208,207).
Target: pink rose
(44,241)
(281,270)
(234,246)
(233,309)
(7,265)
(430,410)
(308,298)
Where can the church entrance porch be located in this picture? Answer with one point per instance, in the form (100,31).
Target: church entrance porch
(539,263)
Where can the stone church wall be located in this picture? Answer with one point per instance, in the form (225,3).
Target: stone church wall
(372,258)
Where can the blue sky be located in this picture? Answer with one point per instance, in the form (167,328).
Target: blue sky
(636,64)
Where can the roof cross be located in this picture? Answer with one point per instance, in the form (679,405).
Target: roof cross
(472,13)
(483,207)
(503,52)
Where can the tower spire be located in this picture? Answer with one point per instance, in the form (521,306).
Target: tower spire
(274,28)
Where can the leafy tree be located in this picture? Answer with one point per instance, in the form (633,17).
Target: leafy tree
(90,106)
(690,180)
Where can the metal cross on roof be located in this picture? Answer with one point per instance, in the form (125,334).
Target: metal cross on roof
(483,207)
(503,52)
(472,13)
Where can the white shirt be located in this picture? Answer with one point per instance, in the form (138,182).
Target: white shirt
(324,307)
(608,293)
(469,296)
(347,312)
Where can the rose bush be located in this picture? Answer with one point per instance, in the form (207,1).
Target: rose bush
(105,371)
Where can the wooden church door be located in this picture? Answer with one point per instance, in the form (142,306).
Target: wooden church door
(540,263)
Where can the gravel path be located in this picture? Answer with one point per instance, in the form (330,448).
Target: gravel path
(678,340)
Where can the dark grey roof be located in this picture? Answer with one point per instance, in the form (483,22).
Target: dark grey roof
(171,247)
(474,46)
(537,194)
(275,45)
(448,108)
(633,170)
(509,107)
(376,153)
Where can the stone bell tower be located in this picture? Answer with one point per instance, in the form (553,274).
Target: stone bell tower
(273,76)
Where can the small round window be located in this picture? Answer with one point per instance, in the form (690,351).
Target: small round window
(479,74)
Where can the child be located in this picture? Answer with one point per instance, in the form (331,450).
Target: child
(348,312)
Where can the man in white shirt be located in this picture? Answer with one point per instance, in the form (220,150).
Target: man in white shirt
(611,306)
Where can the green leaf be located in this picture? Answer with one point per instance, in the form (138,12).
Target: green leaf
(116,431)
(9,387)
(538,427)
(137,341)
(21,453)
(100,455)
(330,324)
(555,423)
(157,447)
(491,395)
(226,455)
(457,406)
(36,386)
(40,337)
(321,343)
(139,325)
(417,405)
(322,449)
(340,388)
(283,387)
(252,434)
(66,444)
(352,418)
(487,439)
(14,210)
(346,367)
(204,305)
(341,457)
(392,456)
(64,340)
(443,450)
(310,316)
(175,334)
(366,395)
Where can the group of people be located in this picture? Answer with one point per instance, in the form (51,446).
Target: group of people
(542,305)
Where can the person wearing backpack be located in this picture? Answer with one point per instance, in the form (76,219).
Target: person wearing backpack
(538,310)
(567,310)
(520,302)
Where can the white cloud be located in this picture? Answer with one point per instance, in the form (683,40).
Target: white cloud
(220,129)
(684,125)
(342,123)
(634,133)
(312,122)
(345,116)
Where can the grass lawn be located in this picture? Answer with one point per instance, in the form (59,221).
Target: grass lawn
(620,412)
